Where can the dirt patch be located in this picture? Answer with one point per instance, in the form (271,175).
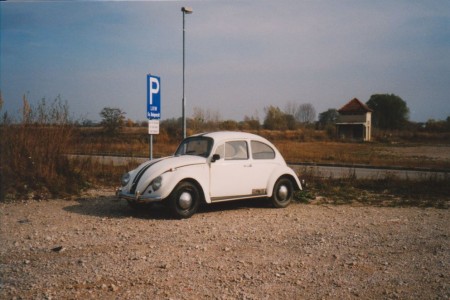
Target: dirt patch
(97,247)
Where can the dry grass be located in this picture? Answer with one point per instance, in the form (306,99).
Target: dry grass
(295,146)
(387,192)
(374,154)
(32,152)
(133,142)
(33,160)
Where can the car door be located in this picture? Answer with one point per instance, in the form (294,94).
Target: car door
(229,176)
(263,165)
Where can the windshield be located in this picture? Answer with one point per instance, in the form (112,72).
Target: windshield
(200,146)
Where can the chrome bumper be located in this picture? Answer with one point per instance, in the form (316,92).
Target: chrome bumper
(138,198)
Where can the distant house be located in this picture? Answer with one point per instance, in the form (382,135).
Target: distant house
(355,121)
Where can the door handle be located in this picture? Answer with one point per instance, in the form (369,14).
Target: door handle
(248,166)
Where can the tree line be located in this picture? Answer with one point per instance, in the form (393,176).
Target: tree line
(389,112)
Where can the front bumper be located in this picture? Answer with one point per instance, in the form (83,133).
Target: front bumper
(137,198)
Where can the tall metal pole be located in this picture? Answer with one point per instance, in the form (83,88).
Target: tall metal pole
(184,99)
(185,10)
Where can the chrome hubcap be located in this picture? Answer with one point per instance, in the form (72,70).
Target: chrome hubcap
(283,192)
(185,200)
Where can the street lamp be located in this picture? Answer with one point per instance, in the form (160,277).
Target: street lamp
(185,10)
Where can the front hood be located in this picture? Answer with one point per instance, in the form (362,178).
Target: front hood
(149,170)
(165,164)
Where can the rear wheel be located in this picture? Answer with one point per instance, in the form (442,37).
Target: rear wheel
(184,200)
(283,193)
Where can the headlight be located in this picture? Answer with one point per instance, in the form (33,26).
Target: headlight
(156,183)
(125,179)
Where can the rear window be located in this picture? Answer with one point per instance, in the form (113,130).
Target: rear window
(262,151)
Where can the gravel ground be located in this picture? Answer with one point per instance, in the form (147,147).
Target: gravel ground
(97,247)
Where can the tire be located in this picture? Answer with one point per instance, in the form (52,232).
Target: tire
(283,193)
(184,200)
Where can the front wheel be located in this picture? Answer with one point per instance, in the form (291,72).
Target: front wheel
(184,200)
(283,193)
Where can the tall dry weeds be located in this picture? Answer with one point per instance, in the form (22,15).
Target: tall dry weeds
(32,151)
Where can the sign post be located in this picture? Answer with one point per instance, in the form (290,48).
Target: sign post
(153,107)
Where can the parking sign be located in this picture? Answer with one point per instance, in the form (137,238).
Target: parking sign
(153,97)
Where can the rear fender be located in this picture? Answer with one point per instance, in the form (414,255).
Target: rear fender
(283,172)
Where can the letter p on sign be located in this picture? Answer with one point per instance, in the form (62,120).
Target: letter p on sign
(154,88)
(153,97)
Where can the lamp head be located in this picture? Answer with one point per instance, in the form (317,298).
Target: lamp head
(187,10)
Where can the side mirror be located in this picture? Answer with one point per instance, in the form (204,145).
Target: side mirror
(215,157)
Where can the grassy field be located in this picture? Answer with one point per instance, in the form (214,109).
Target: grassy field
(33,164)
(295,146)
(373,154)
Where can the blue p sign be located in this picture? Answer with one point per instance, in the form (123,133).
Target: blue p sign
(153,97)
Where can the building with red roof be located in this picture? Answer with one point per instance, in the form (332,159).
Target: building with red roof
(355,121)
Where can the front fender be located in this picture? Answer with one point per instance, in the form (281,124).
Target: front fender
(198,173)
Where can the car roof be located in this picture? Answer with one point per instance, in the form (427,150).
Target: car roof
(223,136)
(219,136)
(226,135)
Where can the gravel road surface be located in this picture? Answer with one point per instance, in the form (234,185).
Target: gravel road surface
(96,247)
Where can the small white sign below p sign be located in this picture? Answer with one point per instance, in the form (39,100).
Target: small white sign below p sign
(153,126)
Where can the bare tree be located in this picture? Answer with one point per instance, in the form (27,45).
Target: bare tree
(306,113)
(205,116)
(199,114)
(292,109)
(302,113)
(204,119)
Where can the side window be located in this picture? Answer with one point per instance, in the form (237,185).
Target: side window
(262,151)
(235,150)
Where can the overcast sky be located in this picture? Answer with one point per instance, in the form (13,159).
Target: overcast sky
(241,56)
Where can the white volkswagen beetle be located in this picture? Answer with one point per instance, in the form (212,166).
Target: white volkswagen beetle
(212,167)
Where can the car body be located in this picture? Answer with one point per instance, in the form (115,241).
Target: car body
(212,167)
